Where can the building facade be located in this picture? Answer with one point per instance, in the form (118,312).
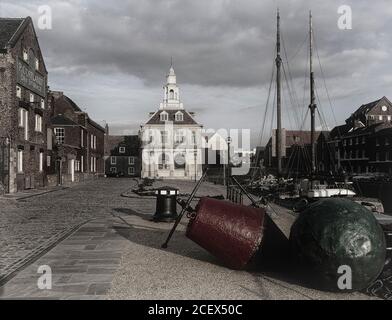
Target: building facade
(296,152)
(171,139)
(122,156)
(23,107)
(75,142)
(364,144)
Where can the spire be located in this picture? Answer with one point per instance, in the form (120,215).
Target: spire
(171,77)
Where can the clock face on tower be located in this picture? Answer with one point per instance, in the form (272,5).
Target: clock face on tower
(384,108)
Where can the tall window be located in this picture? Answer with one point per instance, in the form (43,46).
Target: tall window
(131,170)
(38,123)
(81,164)
(26,125)
(81,138)
(41,161)
(60,135)
(21,117)
(194,138)
(42,103)
(113,160)
(164,136)
(164,161)
(178,137)
(171,94)
(18,92)
(20,161)
(131,160)
(32,97)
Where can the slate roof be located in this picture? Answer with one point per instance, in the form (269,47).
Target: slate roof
(61,120)
(365,107)
(304,137)
(339,131)
(73,104)
(156,118)
(131,144)
(8,27)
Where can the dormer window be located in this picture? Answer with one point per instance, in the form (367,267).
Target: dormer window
(122,149)
(164,116)
(179,116)
(25,55)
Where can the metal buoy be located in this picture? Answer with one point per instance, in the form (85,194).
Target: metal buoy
(337,237)
(231,232)
(166,206)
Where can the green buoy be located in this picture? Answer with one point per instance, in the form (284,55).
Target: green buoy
(338,244)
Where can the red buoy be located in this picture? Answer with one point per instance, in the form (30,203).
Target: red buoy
(231,232)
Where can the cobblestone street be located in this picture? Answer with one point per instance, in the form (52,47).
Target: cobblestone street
(32,224)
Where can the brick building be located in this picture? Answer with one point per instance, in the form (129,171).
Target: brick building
(296,151)
(23,107)
(364,143)
(122,155)
(77,144)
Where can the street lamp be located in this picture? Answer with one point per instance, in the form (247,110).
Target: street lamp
(228,140)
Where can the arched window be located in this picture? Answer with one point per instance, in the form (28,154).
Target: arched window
(171,94)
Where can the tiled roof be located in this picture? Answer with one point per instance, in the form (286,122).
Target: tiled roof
(304,137)
(73,104)
(131,144)
(8,27)
(61,120)
(156,118)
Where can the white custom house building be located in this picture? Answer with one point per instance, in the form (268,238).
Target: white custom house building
(171,139)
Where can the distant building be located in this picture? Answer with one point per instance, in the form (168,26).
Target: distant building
(171,139)
(364,143)
(122,156)
(296,151)
(76,145)
(23,107)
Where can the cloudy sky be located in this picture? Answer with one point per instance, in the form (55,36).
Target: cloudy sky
(111,57)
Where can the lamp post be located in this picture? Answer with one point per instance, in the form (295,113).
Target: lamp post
(228,140)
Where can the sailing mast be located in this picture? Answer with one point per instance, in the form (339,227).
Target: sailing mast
(312,105)
(278,61)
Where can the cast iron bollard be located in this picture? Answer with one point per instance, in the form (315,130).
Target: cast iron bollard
(166,208)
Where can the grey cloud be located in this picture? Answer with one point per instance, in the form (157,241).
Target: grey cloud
(113,56)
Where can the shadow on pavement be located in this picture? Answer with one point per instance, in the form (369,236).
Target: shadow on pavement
(154,237)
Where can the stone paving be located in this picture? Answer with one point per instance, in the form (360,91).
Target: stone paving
(117,255)
(30,224)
